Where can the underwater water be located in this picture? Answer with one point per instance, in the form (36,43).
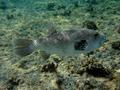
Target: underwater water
(33,19)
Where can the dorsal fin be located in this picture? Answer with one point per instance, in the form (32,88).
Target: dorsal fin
(52,29)
(71,29)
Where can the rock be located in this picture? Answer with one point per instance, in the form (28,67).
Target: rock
(90,84)
(92,2)
(56,83)
(13,82)
(51,6)
(90,25)
(116,45)
(89,8)
(96,69)
(76,4)
(118,71)
(3,88)
(66,13)
(10,16)
(61,6)
(50,67)
(117,29)
(3,5)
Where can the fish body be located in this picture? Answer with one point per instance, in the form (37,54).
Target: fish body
(64,43)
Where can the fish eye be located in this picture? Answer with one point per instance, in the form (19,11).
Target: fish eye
(80,45)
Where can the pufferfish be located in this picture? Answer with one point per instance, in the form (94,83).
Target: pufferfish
(64,43)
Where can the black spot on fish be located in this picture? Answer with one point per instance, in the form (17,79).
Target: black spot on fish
(80,45)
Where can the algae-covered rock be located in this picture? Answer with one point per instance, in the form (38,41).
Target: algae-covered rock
(90,25)
(116,45)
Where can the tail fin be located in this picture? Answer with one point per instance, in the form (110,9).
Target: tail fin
(23,47)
